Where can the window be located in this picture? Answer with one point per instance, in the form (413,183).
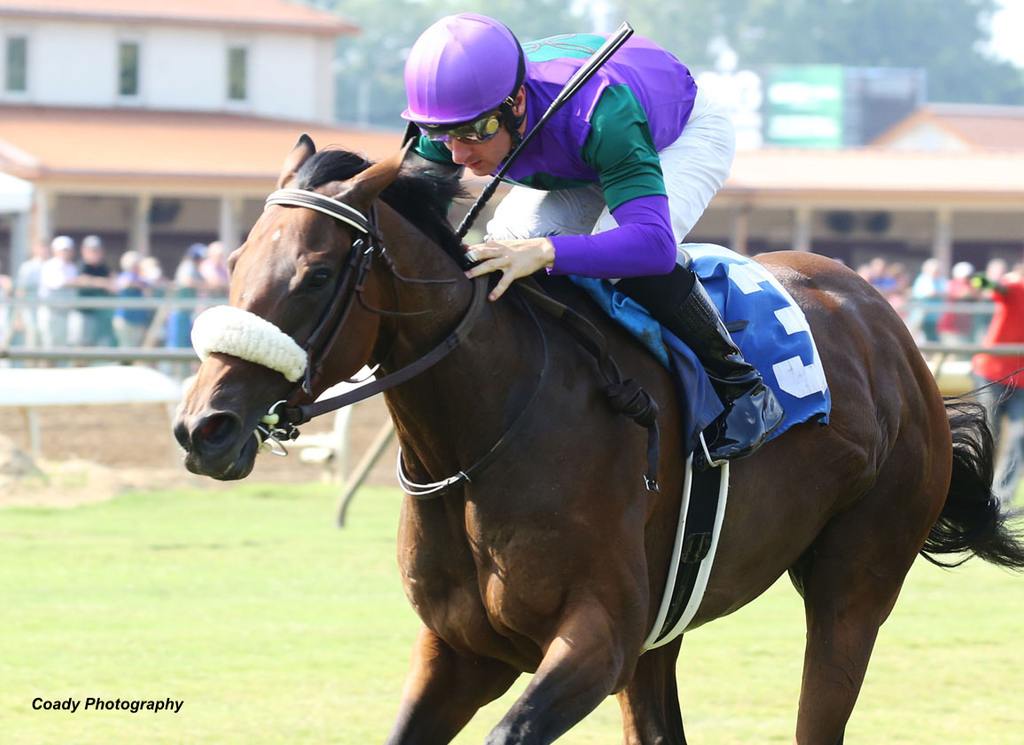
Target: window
(237,83)
(128,68)
(17,64)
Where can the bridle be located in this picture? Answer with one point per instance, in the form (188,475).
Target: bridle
(367,246)
(282,422)
(625,395)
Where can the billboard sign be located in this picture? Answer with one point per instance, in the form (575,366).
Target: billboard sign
(804,106)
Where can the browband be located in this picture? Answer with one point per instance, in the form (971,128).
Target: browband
(330,207)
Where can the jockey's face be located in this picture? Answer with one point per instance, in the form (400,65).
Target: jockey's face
(484,158)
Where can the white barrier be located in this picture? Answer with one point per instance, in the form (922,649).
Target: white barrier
(27,389)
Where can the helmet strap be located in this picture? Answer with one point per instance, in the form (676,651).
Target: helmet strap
(510,121)
(508,118)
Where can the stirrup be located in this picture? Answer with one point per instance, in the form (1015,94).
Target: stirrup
(708,461)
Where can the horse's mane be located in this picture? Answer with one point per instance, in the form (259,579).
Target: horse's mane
(419,195)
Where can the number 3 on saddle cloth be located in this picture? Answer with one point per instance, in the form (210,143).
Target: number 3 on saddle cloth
(764,321)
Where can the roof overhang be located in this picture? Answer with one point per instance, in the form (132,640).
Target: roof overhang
(124,150)
(15,194)
(269,15)
(877,175)
(133,149)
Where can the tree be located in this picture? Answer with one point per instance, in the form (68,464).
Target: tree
(946,39)
(370,87)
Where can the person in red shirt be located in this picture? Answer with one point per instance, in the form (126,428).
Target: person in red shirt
(1003,379)
(957,327)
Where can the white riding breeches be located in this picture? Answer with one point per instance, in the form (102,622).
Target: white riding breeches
(694,167)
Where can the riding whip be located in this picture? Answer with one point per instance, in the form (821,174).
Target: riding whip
(581,76)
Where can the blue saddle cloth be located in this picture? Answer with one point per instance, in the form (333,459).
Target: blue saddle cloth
(764,321)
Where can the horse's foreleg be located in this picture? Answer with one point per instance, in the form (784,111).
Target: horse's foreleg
(581,666)
(650,703)
(443,690)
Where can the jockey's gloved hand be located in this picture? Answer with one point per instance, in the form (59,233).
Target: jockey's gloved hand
(514,259)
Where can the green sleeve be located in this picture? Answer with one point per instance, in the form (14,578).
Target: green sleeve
(435,151)
(620,148)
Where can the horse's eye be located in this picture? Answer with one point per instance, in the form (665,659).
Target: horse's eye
(318,277)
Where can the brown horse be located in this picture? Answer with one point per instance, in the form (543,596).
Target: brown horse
(552,559)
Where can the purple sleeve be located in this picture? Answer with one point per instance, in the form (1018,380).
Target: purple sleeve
(642,245)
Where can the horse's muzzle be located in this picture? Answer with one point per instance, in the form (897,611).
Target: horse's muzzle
(214,445)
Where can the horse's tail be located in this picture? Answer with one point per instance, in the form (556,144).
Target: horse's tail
(973,521)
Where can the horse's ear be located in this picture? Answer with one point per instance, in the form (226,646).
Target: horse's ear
(363,188)
(302,152)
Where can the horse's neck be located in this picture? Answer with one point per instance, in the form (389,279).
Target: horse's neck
(451,413)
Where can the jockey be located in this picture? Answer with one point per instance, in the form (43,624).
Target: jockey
(607,188)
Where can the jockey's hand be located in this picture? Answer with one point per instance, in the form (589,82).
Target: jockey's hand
(514,259)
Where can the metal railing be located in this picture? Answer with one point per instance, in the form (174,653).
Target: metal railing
(940,352)
(114,302)
(151,350)
(99,354)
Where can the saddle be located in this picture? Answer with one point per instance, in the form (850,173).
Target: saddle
(763,319)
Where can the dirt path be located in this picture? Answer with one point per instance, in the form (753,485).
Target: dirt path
(93,453)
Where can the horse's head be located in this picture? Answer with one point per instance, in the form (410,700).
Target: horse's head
(293,286)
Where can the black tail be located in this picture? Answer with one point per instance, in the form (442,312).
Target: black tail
(973,521)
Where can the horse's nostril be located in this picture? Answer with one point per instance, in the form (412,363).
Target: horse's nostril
(181,435)
(215,432)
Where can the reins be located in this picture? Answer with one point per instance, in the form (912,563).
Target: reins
(424,491)
(625,395)
(348,288)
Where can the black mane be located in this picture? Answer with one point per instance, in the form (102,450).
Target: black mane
(420,196)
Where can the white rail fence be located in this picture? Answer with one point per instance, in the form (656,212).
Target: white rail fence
(135,381)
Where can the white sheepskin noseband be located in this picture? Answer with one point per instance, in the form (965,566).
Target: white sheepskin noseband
(242,334)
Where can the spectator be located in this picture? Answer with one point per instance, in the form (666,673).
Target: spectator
(187,284)
(156,284)
(994,271)
(6,290)
(94,281)
(894,286)
(214,269)
(878,275)
(56,284)
(1003,378)
(152,273)
(130,324)
(927,292)
(873,271)
(957,327)
(26,324)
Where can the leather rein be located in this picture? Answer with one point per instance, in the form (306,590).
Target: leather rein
(282,423)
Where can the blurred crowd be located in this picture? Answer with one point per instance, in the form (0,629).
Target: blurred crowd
(51,282)
(970,305)
(952,309)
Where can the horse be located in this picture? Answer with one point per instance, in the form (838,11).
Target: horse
(551,559)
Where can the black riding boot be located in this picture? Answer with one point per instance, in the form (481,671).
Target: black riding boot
(679,302)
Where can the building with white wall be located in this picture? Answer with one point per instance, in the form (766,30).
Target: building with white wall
(945,182)
(155,124)
(262,57)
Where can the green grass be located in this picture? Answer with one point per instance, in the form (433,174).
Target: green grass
(275,627)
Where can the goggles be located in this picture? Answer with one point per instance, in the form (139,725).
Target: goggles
(479,130)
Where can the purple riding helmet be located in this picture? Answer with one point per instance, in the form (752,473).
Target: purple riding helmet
(461,67)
